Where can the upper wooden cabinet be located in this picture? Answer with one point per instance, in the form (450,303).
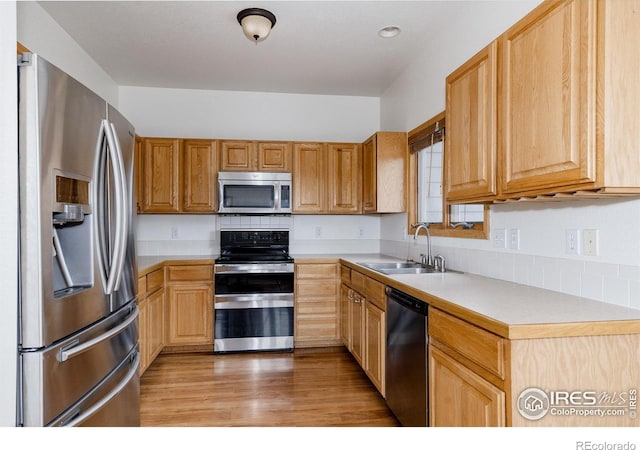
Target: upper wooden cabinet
(471,117)
(384,160)
(309,176)
(326,178)
(345,179)
(177,176)
(199,176)
(548,98)
(160,173)
(567,117)
(250,156)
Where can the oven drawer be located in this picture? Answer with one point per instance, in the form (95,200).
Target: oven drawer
(253,301)
(242,283)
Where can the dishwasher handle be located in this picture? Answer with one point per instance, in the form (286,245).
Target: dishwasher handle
(406,300)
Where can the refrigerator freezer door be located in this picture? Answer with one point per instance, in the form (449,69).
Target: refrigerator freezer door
(62,374)
(115,402)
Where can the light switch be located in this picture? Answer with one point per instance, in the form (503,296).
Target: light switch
(590,242)
(514,238)
(499,238)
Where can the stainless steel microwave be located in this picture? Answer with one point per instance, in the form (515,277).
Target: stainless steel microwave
(254,192)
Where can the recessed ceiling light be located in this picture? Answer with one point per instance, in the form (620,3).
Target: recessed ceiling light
(389,32)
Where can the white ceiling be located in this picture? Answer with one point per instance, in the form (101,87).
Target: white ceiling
(316,47)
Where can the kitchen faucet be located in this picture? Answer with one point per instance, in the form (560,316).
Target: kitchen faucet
(424,226)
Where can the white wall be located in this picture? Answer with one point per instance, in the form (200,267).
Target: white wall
(612,276)
(9,219)
(41,34)
(250,115)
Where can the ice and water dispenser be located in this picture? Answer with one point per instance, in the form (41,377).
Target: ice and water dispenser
(72,236)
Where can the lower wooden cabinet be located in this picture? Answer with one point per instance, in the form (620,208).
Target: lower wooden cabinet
(363,323)
(189,305)
(467,377)
(155,326)
(151,317)
(459,397)
(316,305)
(375,345)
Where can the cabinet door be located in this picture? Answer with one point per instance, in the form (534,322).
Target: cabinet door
(357,317)
(274,157)
(309,174)
(161,175)
(344,178)
(190,314)
(199,176)
(237,156)
(471,116)
(375,346)
(548,98)
(155,324)
(458,397)
(316,305)
(345,314)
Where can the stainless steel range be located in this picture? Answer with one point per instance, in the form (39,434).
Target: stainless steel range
(253,291)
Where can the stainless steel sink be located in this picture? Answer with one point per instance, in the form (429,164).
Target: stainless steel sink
(393,268)
(391,265)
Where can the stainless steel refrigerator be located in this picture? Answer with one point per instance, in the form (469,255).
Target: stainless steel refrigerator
(78,343)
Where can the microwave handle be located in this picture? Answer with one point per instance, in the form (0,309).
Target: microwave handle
(276,195)
(220,194)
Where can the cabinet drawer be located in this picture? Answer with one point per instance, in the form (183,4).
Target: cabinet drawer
(305,271)
(316,288)
(142,287)
(478,345)
(190,273)
(345,274)
(155,280)
(374,291)
(357,281)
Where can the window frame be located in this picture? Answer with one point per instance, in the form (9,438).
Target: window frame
(479,231)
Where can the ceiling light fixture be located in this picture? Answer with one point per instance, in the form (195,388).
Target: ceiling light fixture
(256,23)
(389,32)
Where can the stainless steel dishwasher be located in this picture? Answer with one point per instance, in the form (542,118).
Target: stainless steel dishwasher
(406,369)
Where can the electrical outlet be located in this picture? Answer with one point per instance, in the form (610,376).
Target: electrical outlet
(318,232)
(499,238)
(174,233)
(572,241)
(590,242)
(362,232)
(514,238)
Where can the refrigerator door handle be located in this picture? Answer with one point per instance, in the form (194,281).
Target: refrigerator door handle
(117,259)
(100,230)
(124,206)
(74,350)
(116,390)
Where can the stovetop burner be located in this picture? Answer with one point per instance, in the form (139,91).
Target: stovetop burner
(254,246)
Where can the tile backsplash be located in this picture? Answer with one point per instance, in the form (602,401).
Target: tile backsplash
(611,283)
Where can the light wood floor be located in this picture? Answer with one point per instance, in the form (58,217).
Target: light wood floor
(306,388)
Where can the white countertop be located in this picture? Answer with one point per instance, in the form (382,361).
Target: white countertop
(509,309)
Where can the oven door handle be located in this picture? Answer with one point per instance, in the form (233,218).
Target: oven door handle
(248,301)
(253,268)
